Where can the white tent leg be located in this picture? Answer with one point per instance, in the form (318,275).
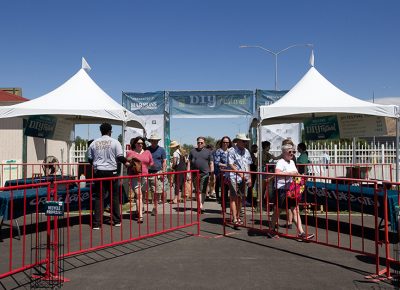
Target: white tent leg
(397,149)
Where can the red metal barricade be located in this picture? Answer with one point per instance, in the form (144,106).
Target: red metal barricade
(357,214)
(34,239)
(371,171)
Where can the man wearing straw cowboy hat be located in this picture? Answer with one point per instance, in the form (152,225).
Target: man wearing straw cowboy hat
(160,165)
(239,160)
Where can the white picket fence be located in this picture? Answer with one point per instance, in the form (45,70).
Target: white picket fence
(341,153)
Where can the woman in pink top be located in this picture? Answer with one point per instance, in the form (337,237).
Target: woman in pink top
(140,153)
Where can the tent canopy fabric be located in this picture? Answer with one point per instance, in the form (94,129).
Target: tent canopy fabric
(79,100)
(315,96)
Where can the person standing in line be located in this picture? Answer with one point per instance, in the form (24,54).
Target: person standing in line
(156,191)
(103,154)
(239,161)
(221,163)
(210,194)
(200,158)
(179,163)
(251,199)
(302,159)
(284,168)
(138,152)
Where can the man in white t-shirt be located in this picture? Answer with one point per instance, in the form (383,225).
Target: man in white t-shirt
(104,154)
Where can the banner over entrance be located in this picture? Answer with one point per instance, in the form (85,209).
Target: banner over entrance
(211,104)
(144,104)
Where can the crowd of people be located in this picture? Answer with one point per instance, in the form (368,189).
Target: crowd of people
(233,160)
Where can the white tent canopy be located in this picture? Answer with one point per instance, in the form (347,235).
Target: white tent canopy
(79,100)
(315,96)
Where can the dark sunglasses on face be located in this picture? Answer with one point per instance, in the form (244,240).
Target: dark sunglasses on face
(291,152)
(200,142)
(140,143)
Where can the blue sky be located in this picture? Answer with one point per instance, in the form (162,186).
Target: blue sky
(141,46)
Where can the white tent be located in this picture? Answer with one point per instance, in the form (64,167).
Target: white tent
(79,100)
(315,96)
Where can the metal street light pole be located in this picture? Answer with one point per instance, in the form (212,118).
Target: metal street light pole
(276,55)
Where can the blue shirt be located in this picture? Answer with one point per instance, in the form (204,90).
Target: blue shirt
(220,157)
(159,156)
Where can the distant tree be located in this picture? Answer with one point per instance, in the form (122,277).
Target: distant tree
(210,141)
(187,147)
(80,141)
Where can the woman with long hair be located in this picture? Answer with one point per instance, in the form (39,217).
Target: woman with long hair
(221,163)
(138,152)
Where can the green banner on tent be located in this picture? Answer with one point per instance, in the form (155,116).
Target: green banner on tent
(41,126)
(322,128)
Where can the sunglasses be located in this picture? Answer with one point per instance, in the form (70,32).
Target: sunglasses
(140,143)
(292,152)
(226,142)
(200,142)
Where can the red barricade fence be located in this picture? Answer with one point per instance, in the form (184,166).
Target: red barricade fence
(357,215)
(371,171)
(34,239)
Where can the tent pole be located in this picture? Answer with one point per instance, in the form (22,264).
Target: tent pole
(123,146)
(397,149)
(354,150)
(259,165)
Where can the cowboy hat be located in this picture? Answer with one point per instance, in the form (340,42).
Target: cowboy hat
(154,136)
(174,144)
(242,136)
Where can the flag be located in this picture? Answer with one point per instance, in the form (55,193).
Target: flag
(85,65)
(312,58)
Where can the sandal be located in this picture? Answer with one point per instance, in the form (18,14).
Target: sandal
(239,222)
(140,220)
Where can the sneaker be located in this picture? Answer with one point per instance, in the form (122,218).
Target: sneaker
(213,196)
(117,225)
(303,236)
(96,228)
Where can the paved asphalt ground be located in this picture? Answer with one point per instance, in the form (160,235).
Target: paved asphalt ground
(180,260)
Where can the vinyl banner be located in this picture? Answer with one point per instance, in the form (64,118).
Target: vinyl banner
(211,104)
(154,125)
(144,103)
(365,126)
(42,126)
(265,97)
(321,128)
(279,132)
